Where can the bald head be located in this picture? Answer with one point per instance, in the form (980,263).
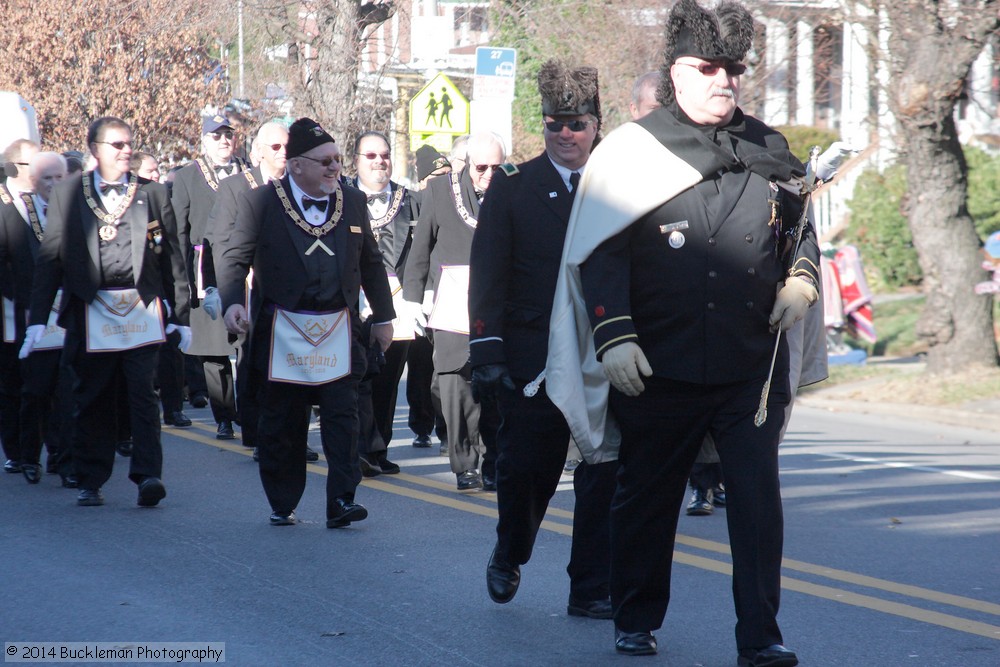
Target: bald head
(45,170)
(270,146)
(486,151)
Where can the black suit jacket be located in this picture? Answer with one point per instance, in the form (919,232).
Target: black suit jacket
(262,239)
(395,236)
(222,218)
(514,267)
(70,252)
(18,248)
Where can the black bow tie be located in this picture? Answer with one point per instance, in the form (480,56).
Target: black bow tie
(480,194)
(382,197)
(308,203)
(223,172)
(105,187)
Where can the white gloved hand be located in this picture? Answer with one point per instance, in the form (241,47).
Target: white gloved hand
(830,159)
(32,335)
(366,312)
(185,333)
(414,312)
(212,303)
(794,299)
(623,365)
(428,305)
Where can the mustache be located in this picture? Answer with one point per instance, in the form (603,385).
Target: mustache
(723,92)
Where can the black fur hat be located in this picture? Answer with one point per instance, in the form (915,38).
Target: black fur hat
(725,33)
(569,92)
(304,135)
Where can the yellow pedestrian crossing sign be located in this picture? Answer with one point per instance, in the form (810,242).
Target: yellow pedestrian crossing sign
(439,108)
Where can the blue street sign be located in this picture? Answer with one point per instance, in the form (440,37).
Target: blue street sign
(495,61)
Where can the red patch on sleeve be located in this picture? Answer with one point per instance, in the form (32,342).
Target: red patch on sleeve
(479,325)
(599,311)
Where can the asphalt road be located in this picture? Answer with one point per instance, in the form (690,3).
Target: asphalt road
(892,540)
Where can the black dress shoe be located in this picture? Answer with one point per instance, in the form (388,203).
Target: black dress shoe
(90,498)
(70,482)
(199,401)
(489,483)
(502,579)
(469,480)
(344,511)
(719,495)
(774,655)
(32,472)
(124,448)
(387,466)
(178,419)
(51,465)
(589,608)
(151,492)
(422,441)
(701,503)
(635,643)
(369,466)
(225,431)
(282,519)
(311,454)
(11,466)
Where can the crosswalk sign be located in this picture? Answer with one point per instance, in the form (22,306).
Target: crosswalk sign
(439,108)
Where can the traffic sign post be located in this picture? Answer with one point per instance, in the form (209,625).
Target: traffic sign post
(494,76)
(439,108)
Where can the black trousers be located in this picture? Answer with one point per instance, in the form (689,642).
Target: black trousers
(94,393)
(662,431)
(283,430)
(385,388)
(45,409)
(170,375)
(248,386)
(10,401)
(221,390)
(425,407)
(532,443)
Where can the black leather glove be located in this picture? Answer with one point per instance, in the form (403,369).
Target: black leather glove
(488,380)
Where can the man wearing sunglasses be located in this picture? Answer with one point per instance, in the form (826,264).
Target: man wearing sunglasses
(110,243)
(269,145)
(436,272)
(308,240)
(193,196)
(685,274)
(514,266)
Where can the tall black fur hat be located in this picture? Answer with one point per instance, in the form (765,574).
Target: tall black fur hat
(725,33)
(569,92)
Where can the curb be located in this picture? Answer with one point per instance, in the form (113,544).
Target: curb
(985,421)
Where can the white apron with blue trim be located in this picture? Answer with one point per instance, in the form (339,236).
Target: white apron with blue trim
(309,348)
(118,320)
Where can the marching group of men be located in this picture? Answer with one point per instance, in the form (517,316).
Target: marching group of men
(624,296)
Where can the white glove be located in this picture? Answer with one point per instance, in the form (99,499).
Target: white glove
(830,159)
(32,335)
(366,312)
(428,305)
(414,312)
(623,365)
(794,299)
(212,303)
(185,333)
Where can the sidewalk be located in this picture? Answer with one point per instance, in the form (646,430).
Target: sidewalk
(981,414)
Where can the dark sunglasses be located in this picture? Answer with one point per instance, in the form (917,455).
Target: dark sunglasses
(117,145)
(711,69)
(275,147)
(372,156)
(216,136)
(325,162)
(573,125)
(481,168)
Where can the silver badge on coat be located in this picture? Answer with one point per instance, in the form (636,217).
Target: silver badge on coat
(676,240)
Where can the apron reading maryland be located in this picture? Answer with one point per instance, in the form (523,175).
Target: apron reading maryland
(118,320)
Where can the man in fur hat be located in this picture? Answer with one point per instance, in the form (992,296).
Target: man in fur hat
(513,272)
(311,247)
(674,285)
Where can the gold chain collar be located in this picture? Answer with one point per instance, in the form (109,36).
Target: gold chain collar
(394,204)
(212,178)
(463,213)
(36,225)
(112,218)
(322,230)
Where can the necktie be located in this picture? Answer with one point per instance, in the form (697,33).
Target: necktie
(574,180)
(308,203)
(106,187)
(382,197)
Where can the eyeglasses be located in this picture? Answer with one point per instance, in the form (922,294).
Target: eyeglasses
(573,125)
(711,69)
(217,136)
(117,145)
(481,168)
(372,156)
(326,162)
(275,147)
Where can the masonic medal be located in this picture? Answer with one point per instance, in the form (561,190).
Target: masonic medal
(107,232)
(676,239)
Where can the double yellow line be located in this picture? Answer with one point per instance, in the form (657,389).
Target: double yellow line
(560,521)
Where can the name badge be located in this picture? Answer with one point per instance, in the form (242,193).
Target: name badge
(118,320)
(309,348)
(674,227)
